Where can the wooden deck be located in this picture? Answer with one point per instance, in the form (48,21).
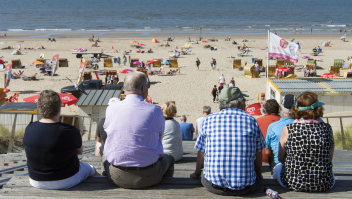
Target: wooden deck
(180,186)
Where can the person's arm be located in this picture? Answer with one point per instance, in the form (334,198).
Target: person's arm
(199,165)
(258,164)
(196,128)
(282,150)
(193,127)
(97,147)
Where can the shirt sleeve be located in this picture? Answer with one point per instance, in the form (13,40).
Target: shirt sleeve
(159,120)
(267,139)
(201,137)
(192,127)
(77,139)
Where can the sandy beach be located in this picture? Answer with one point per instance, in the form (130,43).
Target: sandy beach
(191,89)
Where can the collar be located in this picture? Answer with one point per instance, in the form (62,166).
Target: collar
(134,97)
(272,114)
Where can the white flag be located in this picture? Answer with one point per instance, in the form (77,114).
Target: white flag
(281,48)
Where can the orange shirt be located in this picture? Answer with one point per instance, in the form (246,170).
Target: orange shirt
(264,123)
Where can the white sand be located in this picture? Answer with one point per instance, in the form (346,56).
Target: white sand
(190,89)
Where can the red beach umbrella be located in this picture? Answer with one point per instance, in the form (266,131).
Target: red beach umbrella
(254,109)
(151,62)
(126,71)
(66,99)
(328,75)
(205,41)
(140,45)
(283,69)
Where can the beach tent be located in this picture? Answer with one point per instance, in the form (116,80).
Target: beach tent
(325,43)
(236,63)
(154,41)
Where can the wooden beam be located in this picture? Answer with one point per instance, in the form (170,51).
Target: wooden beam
(12,136)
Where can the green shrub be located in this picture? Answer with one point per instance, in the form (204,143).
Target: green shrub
(348,138)
(5,134)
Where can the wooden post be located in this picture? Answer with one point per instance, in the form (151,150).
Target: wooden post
(90,127)
(82,126)
(62,119)
(73,121)
(327,120)
(342,136)
(32,117)
(96,131)
(12,137)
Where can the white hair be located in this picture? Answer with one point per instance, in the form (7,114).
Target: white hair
(285,112)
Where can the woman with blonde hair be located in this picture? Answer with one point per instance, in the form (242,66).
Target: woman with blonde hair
(172,137)
(306,148)
(52,148)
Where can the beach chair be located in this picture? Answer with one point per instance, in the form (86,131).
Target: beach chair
(250,72)
(312,61)
(63,62)
(290,76)
(157,64)
(134,60)
(260,62)
(108,62)
(338,62)
(236,64)
(345,66)
(87,75)
(311,66)
(2,96)
(41,56)
(350,63)
(335,70)
(28,78)
(291,72)
(173,63)
(89,61)
(167,62)
(272,70)
(243,54)
(280,62)
(109,73)
(16,63)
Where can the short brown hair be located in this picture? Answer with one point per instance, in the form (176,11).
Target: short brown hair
(49,104)
(271,106)
(169,110)
(306,99)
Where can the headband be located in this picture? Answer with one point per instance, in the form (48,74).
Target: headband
(311,107)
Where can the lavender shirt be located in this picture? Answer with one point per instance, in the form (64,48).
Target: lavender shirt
(133,129)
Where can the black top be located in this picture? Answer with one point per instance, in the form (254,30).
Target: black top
(51,150)
(102,135)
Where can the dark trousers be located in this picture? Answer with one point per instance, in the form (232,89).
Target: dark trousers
(272,163)
(227,192)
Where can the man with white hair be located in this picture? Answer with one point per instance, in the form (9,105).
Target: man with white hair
(274,130)
(133,149)
(199,121)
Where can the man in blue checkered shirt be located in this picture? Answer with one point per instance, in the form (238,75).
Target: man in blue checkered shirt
(230,148)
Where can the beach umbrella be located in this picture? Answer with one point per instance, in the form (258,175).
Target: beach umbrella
(283,69)
(66,99)
(133,42)
(136,62)
(343,37)
(6,90)
(255,109)
(328,75)
(205,41)
(14,52)
(307,57)
(151,62)
(140,45)
(37,63)
(126,71)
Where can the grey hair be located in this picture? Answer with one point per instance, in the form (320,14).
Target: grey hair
(285,112)
(183,118)
(134,81)
(207,109)
(232,104)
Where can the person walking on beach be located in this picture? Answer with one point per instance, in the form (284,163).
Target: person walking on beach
(5,35)
(214,64)
(214,92)
(124,60)
(300,29)
(345,32)
(222,80)
(311,30)
(197,63)
(294,30)
(200,29)
(340,31)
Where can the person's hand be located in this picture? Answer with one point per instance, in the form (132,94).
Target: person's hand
(260,177)
(194,175)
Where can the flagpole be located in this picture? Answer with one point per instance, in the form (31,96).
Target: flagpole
(267,67)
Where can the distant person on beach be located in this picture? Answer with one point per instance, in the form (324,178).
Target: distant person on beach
(345,32)
(197,63)
(214,92)
(214,64)
(137,160)
(119,60)
(300,29)
(52,148)
(5,35)
(124,60)
(294,30)
(232,82)
(340,31)
(222,80)
(311,30)
(220,89)
(187,128)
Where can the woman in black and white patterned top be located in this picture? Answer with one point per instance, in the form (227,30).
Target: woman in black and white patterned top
(306,148)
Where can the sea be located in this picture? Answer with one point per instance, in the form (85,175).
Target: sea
(216,17)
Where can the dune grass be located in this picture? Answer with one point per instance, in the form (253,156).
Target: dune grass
(5,134)
(348,138)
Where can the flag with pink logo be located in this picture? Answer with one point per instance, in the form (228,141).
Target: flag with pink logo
(280,48)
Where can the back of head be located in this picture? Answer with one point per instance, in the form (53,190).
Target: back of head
(271,106)
(207,109)
(183,118)
(49,104)
(232,97)
(169,110)
(287,102)
(134,81)
(308,107)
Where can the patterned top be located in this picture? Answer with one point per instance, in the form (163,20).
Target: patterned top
(229,139)
(308,166)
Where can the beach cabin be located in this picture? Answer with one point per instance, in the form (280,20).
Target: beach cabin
(134,60)
(236,64)
(335,93)
(338,62)
(280,62)
(272,70)
(63,62)
(157,64)
(335,70)
(312,61)
(87,76)
(16,63)
(173,63)
(94,103)
(108,62)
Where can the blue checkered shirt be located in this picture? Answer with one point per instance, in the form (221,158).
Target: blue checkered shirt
(229,139)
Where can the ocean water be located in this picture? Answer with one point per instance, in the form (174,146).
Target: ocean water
(145,16)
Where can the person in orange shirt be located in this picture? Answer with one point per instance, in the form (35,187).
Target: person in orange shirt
(271,109)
